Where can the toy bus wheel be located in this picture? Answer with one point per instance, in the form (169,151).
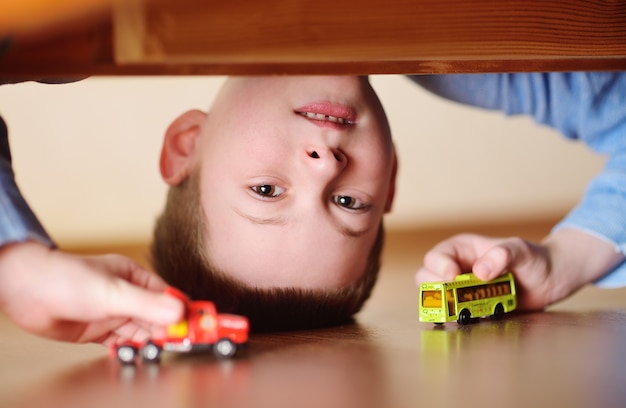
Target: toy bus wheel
(151,353)
(465,317)
(126,354)
(498,312)
(224,348)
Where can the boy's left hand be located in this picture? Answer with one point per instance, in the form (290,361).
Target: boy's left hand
(545,273)
(490,257)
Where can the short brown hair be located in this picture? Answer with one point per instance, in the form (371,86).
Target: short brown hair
(178,255)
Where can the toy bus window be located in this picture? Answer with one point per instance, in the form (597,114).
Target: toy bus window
(431,298)
(451,303)
(484,291)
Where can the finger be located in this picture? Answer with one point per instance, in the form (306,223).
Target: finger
(493,263)
(442,265)
(131,271)
(111,332)
(132,330)
(125,299)
(426,275)
(464,249)
(457,254)
(513,254)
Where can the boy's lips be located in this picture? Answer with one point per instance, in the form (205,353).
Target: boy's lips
(327,114)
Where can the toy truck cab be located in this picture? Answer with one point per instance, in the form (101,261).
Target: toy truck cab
(203,328)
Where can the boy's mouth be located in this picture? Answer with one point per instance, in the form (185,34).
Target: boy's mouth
(327,113)
(322,117)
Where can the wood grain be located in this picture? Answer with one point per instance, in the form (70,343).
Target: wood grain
(240,31)
(195,37)
(571,355)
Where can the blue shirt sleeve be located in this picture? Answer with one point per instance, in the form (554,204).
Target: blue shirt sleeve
(590,107)
(17,222)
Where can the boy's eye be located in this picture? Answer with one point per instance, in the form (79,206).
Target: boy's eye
(268,190)
(348,202)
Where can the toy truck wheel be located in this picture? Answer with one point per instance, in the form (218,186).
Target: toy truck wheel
(151,353)
(465,317)
(224,348)
(498,312)
(126,354)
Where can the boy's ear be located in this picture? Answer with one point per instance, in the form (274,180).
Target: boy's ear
(178,146)
(392,183)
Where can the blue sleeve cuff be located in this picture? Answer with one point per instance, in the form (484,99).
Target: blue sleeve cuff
(17,222)
(602,213)
(614,279)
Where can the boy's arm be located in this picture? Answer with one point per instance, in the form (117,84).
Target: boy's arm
(584,106)
(82,299)
(545,273)
(17,221)
(68,297)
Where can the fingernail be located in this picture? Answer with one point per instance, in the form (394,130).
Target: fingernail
(482,270)
(170,309)
(449,269)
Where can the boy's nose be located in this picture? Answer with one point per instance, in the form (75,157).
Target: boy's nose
(326,159)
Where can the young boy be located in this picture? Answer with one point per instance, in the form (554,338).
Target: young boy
(251,220)
(296,174)
(277,199)
(275,211)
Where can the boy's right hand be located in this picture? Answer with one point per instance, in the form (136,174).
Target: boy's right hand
(82,298)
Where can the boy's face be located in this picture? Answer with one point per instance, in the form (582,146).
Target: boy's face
(295,175)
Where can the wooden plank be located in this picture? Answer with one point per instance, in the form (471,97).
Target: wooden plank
(279,31)
(195,37)
(28,16)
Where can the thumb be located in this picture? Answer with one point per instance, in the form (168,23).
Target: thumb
(133,301)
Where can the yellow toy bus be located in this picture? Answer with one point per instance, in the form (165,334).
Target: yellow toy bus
(466,298)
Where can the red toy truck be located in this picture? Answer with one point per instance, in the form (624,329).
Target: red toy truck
(201,329)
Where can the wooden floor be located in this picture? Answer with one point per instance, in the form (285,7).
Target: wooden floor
(571,355)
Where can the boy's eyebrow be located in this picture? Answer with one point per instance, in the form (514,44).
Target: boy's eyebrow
(342,228)
(263,221)
(351,232)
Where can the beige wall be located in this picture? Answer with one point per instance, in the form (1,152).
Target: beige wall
(86,156)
